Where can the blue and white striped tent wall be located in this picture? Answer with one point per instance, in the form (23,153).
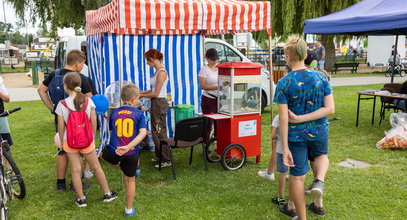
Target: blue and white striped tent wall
(183,58)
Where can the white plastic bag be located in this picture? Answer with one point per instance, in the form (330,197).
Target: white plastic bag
(396,137)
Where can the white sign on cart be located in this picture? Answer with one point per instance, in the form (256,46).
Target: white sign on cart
(247,128)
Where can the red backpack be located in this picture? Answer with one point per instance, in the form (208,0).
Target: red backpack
(78,128)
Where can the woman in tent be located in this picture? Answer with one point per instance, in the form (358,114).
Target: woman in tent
(208,79)
(159,104)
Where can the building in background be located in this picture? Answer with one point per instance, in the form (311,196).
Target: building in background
(380,47)
(45,46)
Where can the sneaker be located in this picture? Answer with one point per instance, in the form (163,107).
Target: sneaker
(109,197)
(87,175)
(284,209)
(61,187)
(80,202)
(131,214)
(278,200)
(317,189)
(164,164)
(84,186)
(319,211)
(308,191)
(263,173)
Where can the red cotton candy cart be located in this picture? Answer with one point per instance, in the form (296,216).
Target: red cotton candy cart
(238,121)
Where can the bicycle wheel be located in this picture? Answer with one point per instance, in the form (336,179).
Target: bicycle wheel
(211,154)
(3,209)
(386,74)
(4,198)
(402,73)
(13,175)
(3,212)
(233,157)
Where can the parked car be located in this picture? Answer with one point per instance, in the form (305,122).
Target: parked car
(227,53)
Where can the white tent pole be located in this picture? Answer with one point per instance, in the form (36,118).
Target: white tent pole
(120,66)
(271,76)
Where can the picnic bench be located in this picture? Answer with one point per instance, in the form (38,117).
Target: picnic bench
(339,66)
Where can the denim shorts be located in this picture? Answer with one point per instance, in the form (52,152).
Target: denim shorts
(281,168)
(321,64)
(304,151)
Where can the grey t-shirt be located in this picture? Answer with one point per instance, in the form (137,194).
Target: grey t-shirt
(275,124)
(319,51)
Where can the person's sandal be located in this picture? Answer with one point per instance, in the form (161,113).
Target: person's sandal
(284,209)
(319,211)
(278,200)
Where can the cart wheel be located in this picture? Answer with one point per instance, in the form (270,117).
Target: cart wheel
(233,157)
(386,74)
(402,73)
(211,154)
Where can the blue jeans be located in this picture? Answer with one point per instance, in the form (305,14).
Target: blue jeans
(304,151)
(321,64)
(281,168)
(400,103)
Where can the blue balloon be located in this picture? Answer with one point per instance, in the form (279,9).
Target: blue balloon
(101,103)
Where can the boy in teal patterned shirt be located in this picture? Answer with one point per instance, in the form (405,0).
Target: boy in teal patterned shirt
(304,99)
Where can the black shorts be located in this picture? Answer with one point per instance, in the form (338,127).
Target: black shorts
(7,137)
(128,164)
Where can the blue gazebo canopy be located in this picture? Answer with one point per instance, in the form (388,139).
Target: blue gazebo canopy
(368,17)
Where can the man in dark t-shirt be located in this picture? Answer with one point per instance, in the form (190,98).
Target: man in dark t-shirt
(75,61)
(320,55)
(401,103)
(43,89)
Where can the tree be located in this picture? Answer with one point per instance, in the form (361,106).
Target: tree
(9,32)
(18,38)
(54,14)
(288,19)
(6,27)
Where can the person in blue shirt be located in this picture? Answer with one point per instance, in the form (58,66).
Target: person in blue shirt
(304,99)
(128,128)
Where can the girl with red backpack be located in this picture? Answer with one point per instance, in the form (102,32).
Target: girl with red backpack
(76,127)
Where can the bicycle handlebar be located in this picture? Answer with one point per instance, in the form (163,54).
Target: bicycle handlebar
(8,112)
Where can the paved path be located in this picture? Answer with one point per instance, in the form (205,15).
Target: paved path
(29,94)
(365,80)
(23,94)
(19,86)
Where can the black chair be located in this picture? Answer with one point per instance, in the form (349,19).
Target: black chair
(188,133)
(395,86)
(388,103)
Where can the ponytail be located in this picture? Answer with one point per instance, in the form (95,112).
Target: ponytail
(301,48)
(73,81)
(79,100)
(296,49)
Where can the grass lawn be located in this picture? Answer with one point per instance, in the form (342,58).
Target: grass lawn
(377,192)
(7,69)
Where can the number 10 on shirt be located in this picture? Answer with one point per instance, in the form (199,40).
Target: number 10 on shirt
(125,127)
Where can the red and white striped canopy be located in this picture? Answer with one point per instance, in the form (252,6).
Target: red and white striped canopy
(179,17)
